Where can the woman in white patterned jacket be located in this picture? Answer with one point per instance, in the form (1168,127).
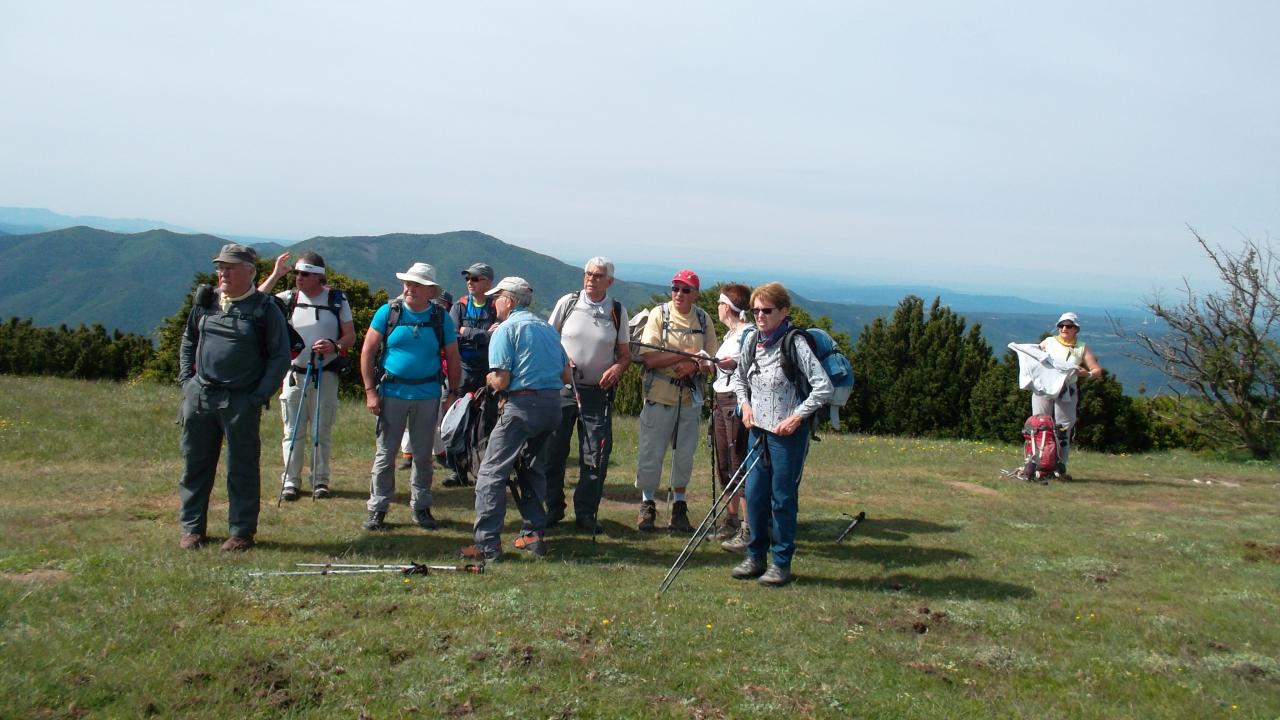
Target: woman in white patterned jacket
(771,389)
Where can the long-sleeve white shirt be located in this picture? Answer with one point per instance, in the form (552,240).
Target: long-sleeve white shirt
(771,396)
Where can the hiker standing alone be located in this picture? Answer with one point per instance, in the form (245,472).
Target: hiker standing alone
(593,331)
(777,414)
(400,363)
(322,316)
(1066,347)
(233,355)
(529,368)
(672,398)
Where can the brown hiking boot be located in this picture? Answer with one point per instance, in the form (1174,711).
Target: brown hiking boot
(237,543)
(680,517)
(191,541)
(732,523)
(648,517)
(739,542)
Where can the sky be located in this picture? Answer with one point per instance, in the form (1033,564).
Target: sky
(1054,150)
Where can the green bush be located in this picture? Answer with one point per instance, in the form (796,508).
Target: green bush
(88,353)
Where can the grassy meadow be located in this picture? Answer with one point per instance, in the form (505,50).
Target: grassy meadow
(1149,587)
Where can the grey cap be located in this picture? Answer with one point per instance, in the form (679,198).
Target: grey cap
(517,286)
(236,253)
(479,269)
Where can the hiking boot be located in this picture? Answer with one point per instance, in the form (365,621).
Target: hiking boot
(424,519)
(321,492)
(532,544)
(555,516)
(238,543)
(739,542)
(289,493)
(680,517)
(648,516)
(776,576)
(375,521)
(406,463)
(750,568)
(191,541)
(588,523)
(453,480)
(1062,476)
(475,552)
(727,531)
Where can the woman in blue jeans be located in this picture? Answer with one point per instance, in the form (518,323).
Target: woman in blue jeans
(779,390)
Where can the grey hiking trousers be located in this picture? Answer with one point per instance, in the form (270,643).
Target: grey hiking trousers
(525,423)
(1062,409)
(208,416)
(418,417)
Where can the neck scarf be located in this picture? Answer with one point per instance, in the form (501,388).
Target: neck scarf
(1064,342)
(224,302)
(771,339)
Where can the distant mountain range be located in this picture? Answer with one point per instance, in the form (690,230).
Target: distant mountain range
(133,281)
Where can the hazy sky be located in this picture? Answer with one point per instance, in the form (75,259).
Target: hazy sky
(975,145)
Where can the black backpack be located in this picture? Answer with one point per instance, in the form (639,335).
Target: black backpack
(435,321)
(203,303)
(336,298)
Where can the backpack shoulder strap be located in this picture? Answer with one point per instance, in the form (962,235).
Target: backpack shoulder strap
(573,302)
(617,314)
(336,298)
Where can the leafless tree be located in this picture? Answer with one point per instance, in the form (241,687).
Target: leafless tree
(1222,347)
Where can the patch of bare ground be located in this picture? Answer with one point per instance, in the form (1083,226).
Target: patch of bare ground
(1257,552)
(697,708)
(36,577)
(971,487)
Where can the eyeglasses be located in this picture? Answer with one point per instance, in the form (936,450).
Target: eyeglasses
(681,289)
(595,276)
(763,311)
(225,268)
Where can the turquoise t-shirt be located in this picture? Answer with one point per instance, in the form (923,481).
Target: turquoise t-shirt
(412,351)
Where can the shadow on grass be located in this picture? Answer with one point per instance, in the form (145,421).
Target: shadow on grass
(1118,482)
(951,586)
(887,556)
(827,530)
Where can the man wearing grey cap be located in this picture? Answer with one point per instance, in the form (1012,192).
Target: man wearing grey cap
(529,367)
(234,354)
(475,319)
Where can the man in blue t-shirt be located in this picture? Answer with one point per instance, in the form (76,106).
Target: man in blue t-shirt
(528,365)
(401,368)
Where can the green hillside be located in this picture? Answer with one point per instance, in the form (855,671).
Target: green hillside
(83,275)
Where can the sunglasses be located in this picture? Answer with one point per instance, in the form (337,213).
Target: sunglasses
(476,278)
(681,289)
(1064,326)
(304,273)
(763,311)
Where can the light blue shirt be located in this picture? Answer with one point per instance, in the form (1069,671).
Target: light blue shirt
(412,351)
(528,348)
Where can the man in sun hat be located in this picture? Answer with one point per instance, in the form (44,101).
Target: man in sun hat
(672,398)
(400,363)
(233,355)
(1066,347)
(322,317)
(529,367)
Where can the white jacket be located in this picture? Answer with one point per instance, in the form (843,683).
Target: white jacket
(1039,372)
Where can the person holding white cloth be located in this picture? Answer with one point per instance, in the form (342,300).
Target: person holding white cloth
(1066,348)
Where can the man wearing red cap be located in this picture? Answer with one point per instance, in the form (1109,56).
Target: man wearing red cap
(672,398)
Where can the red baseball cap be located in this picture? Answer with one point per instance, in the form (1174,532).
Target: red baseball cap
(688,277)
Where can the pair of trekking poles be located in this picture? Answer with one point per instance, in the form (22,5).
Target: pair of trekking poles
(310,377)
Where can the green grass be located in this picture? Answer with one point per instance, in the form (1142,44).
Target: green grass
(1146,588)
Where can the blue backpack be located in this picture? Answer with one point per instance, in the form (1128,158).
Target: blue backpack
(839,369)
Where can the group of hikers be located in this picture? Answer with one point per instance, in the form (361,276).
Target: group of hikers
(537,380)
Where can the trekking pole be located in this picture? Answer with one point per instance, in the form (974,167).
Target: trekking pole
(695,356)
(360,569)
(735,482)
(862,515)
(315,427)
(293,436)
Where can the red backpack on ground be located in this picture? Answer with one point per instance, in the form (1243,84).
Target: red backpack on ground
(1040,448)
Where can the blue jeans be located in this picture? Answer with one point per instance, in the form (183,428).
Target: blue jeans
(773,494)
